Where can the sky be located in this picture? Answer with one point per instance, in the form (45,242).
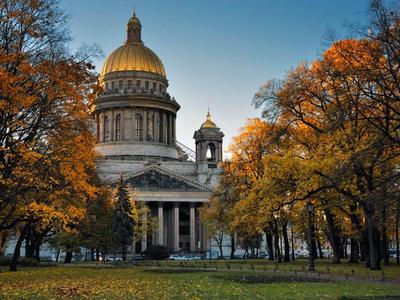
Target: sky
(217,53)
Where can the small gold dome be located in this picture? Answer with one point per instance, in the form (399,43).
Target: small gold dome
(134,20)
(208,123)
(133,57)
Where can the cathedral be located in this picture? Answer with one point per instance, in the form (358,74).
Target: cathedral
(135,128)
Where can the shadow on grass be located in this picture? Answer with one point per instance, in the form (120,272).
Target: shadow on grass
(177,271)
(249,278)
(370,298)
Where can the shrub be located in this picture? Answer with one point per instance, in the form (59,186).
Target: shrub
(156,252)
(23,262)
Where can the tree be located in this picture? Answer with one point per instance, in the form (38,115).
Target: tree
(338,149)
(125,217)
(215,219)
(46,147)
(96,228)
(68,242)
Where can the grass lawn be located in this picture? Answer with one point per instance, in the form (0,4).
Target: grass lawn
(141,283)
(322,266)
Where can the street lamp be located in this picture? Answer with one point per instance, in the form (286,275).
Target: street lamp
(310,210)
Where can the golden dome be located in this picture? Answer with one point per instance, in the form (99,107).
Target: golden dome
(133,57)
(208,123)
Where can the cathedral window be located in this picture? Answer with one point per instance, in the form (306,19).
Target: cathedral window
(147,85)
(154,86)
(106,133)
(118,128)
(138,84)
(112,85)
(139,127)
(121,84)
(129,84)
(106,86)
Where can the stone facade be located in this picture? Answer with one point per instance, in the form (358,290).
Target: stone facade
(135,127)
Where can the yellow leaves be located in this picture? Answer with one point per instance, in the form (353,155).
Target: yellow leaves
(351,54)
(54,217)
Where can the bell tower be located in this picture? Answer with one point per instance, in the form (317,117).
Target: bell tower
(209,143)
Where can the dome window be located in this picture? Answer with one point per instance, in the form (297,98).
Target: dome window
(139,127)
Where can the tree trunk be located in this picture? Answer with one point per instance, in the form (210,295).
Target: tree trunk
(354,244)
(344,247)
(353,250)
(124,247)
(28,243)
(333,237)
(17,250)
(68,257)
(58,255)
(286,257)
(276,242)
(252,252)
(321,255)
(220,250)
(246,251)
(270,245)
(397,234)
(37,252)
(366,247)
(373,241)
(3,239)
(292,236)
(384,243)
(233,246)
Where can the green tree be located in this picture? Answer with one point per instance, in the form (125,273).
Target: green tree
(125,217)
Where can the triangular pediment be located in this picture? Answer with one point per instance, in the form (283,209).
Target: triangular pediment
(157,178)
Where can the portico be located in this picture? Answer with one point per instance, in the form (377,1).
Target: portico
(177,226)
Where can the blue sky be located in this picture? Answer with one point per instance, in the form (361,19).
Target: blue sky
(217,53)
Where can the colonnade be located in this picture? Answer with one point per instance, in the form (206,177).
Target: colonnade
(170,223)
(141,125)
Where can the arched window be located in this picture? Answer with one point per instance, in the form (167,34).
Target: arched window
(139,127)
(211,152)
(150,129)
(118,127)
(106,133)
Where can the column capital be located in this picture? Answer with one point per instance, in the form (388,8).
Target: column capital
(192,204)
